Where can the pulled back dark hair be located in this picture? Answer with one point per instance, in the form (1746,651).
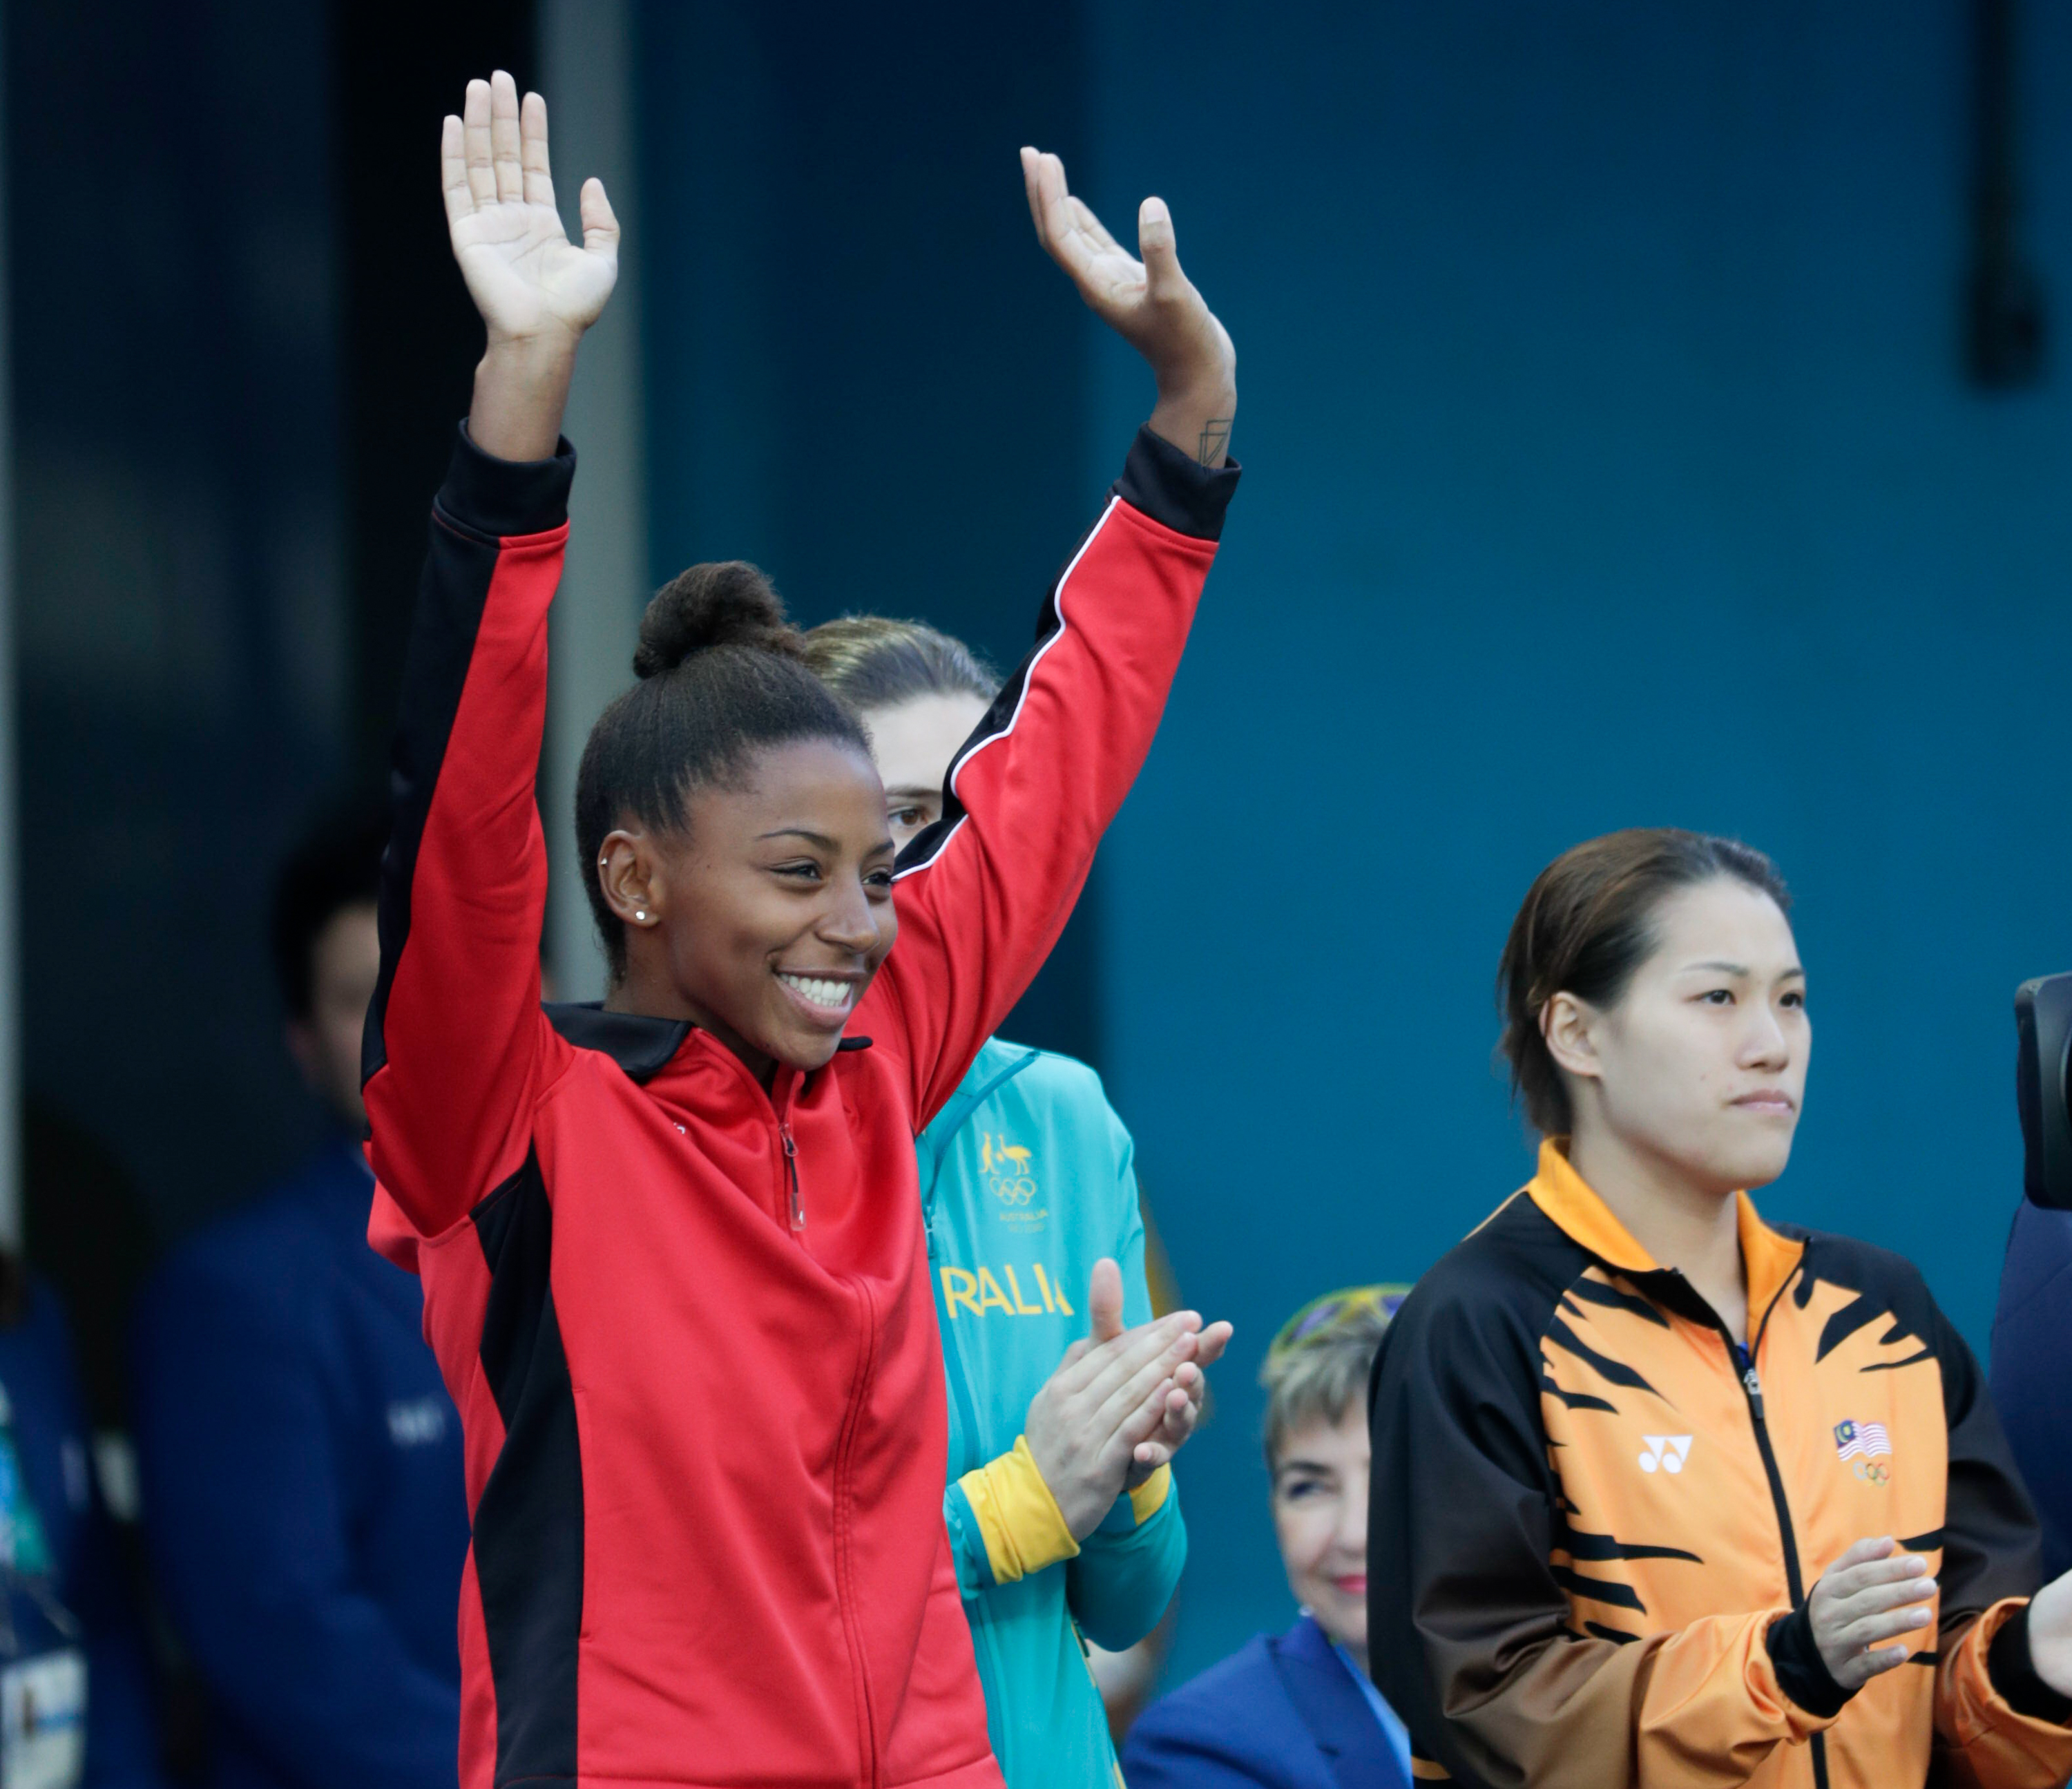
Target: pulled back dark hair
(722,675)
(1587,923)
(875,662)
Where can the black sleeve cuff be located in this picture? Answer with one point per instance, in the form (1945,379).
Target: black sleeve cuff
(1172,488)
(2012,1667)
(1802,1672)
(502,497)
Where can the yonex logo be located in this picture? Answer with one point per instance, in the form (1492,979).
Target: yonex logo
(1664,1453)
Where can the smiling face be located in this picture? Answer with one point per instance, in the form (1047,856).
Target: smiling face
(1700,1065)
(764,918)
(1320,1520)
(913,743)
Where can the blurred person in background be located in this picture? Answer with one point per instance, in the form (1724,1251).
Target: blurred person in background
(1298,1710)
(300,1458)
(75,1707)
(1664,1494)
(1038,1251)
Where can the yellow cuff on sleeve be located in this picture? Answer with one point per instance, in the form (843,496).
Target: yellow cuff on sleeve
(1023,1529)
(1149,1497)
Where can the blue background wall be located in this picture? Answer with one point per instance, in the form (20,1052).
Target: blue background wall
(1610,464)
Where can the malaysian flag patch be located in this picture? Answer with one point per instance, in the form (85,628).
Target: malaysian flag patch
(1867,1438)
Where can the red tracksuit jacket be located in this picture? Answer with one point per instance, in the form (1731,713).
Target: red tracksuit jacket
(704,1447)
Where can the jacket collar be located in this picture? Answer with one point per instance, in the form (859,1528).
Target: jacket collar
(1768,1258)
(641,1045)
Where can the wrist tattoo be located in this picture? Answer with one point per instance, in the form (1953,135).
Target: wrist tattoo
(1214,439)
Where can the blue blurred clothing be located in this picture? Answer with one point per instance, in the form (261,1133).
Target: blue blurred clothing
(63,1585)
(2032,1367)
(1285,1711)
(1398,1734)
(302,1487)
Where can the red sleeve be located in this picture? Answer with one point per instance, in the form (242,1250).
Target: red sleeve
(983,893)
(457,1047)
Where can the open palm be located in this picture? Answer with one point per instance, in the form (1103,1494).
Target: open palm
(1149,302)
(526,277)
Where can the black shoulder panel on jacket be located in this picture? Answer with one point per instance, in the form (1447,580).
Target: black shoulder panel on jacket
(1460,1471)
(483,500)
(528,1524)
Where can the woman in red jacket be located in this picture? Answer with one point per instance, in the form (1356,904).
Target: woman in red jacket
(674,1267)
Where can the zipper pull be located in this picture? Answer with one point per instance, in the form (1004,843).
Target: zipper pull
(792,1173)
(1754,1387)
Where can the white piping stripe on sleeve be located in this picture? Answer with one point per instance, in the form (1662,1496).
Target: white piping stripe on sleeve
(1028,678)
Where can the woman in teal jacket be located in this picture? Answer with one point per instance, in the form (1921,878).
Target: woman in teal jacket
(1061,1508)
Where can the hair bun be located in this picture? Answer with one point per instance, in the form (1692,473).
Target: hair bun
(729,603)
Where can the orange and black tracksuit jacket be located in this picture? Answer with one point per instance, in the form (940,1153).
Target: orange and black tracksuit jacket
(1596,1518)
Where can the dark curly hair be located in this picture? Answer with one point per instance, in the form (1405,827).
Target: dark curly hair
(1587,923)
(722,675)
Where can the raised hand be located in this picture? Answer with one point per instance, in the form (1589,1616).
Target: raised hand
(1148,302)
(1874,1593)
(1108,1396)
(537,292)
(526,277)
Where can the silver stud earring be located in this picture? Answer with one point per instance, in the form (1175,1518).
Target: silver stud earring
(640,913)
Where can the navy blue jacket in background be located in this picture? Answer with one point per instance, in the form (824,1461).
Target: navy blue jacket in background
(301,1479)
(1283,1712)
(54,1445)
(2032,1369)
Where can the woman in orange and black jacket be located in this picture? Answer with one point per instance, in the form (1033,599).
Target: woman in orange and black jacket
(1663,1493)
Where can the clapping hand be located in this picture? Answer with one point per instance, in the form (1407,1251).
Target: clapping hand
(2050,1634)
(1119,1404)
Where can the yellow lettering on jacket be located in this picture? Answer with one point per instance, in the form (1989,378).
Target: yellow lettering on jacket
(1020,1304)
(954,1294)
(1044,1285)
(980,1292)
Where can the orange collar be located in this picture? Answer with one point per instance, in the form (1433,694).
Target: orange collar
(1768,1259)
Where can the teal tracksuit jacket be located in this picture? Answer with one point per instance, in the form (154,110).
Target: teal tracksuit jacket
(1027,1179)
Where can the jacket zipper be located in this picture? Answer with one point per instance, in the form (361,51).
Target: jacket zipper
(1752,1389)
(791,1175)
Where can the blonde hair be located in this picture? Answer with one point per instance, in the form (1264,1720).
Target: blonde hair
(876,662)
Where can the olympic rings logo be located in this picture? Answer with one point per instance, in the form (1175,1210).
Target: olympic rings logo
(1018,1191)
(1873,1472)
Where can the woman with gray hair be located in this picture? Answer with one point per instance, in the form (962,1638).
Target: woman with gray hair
(1296,1710)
